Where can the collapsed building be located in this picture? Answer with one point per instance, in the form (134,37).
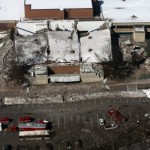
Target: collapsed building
(72,51)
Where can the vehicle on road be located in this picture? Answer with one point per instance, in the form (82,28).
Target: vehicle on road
(12,128)
(5,120)
(7,147)
(116,116)
(111,126)
(102,122)
(24,119)
(34,135)
(68,145)
(43,121)
(147,116)
(31,126)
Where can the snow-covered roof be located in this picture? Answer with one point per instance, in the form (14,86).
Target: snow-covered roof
(127,11)
(62,47)
(89,25)
(11,9)
(59,4)
(30,28)
(61,24)
(96,47)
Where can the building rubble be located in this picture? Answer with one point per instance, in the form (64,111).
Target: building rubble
(6,56)
(130,49)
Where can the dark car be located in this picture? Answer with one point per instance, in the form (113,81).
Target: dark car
(68,145)
(25,119)
(7,147)
(5,120)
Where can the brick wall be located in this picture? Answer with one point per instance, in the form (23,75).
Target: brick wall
(57,14)
(43,13)
(7,26)
(64,69)
(79,13)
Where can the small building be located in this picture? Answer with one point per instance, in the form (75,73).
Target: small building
(58,9)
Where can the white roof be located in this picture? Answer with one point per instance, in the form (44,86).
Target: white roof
(62,24)
(121,11)
(61,46)
(59,4)
(30,28)
(11,9)
(89,25)
(96,47)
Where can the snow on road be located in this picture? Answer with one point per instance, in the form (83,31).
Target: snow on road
(147,92)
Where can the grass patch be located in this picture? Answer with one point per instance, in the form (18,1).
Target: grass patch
(145,76)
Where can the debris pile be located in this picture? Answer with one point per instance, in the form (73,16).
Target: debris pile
(71,97)
(33,100)
(132,52)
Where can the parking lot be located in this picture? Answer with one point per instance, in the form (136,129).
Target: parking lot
(84,114)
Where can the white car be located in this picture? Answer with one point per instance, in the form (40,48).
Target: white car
(147,115)
(102,122)
(110,126)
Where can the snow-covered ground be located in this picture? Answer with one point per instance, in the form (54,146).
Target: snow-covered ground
(71,97)
(122,11)
(59,4)
(147,92)
(11,9)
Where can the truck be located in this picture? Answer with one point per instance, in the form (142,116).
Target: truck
(34,135)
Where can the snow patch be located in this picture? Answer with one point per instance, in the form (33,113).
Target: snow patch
(147,92)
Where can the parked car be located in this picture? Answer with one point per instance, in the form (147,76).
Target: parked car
(102,122)
(116,116)
(68,145)
(25,119)
(147,116)
(5,120)
(111,126)
(12,128)
(43,121)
